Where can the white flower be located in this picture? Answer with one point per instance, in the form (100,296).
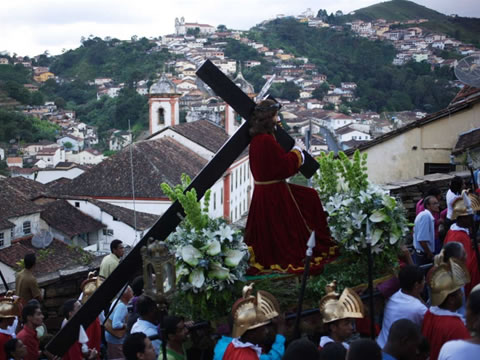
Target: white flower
(209,234)
(233,257)
(225,232)
(363,197)
(191,255)
(196,278)
(357,219)
(217,271)
(336,201)
(212,248)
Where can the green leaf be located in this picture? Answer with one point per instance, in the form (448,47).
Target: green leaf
(377,216)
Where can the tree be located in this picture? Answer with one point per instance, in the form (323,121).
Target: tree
(290,91)
(67,145)
(329,106)
(221,28)
(320,91)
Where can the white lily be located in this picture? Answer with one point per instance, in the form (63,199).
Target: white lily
(364,196)
(357,219)
(217,271)
(210,235)
(225,232)
(197,278)
(191,255)
(233,257)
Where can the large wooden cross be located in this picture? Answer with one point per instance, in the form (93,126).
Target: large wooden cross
(207,177)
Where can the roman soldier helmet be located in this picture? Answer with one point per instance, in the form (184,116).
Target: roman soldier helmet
(251,312)
(465,205)
(10,306)
(90,285)
(446,279)
(333,308)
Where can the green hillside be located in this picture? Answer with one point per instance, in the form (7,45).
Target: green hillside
(396,10)
(461,28)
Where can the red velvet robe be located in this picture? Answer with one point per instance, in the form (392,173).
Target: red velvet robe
(3,340)
(440,329)
(233,353)
(280,213)
(463,238)
(94,333)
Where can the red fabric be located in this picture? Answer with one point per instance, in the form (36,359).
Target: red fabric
(3,339)
(363,326)
(440,329)
(94,333)
(464,238)
(276,231)
(30,340)
(233,353)
(74,353)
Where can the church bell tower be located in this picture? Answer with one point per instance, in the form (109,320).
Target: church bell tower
(164,105)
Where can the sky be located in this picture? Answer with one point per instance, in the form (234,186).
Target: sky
(31,27)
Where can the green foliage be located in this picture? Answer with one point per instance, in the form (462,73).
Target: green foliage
(288,91)
(320,91)
(15,125)
(120,60)
(114,113)
(350,271)
(196,217)
(68,145)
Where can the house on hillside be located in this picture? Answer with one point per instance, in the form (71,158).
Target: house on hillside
(119,139)
(425,145)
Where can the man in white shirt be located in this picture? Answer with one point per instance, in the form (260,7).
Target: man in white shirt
(406,303)
(424,232)
(147,323)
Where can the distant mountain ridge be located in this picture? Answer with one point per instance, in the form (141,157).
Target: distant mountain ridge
(461,28)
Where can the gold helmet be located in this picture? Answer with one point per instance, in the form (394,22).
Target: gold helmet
(90,285)
(251,312)
(348,306)
(446,279)
(465,205)
(9,306)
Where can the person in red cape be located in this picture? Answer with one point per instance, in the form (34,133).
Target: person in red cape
(9,309)
(252,319)
(460,232)
(442,322)
(94,330)
(282,215)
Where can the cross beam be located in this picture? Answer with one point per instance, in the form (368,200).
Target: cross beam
(207,177)
(243,105)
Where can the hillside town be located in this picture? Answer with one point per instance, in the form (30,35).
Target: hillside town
(86,197)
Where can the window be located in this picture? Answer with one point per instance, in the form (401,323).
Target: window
(27,227)
(115,218)
(108,232)
(214,201)
(12,233)
(161,116)
(2,239)
(221,197)
(432,168)
(77,204)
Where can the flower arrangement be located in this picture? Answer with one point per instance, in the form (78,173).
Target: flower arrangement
(211,256)
(357,208)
